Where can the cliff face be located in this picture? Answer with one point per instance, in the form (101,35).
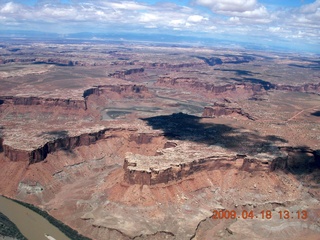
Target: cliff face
(249,87)
(54,61)
(137,171)
(298,160)
(1,144)
(196,84)
(168,166)
(65,143)
(142,138)
(308,88)
(126,91)
(122,74)
(222,110)
(47,102)
(154,176)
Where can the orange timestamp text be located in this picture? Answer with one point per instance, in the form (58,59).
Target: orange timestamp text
(265,214)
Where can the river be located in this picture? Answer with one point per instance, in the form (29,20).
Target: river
(31,225)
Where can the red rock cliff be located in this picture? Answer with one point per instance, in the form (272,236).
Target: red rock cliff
(40,153)
(222,110)
(196,84)
(47,102)
(137,173)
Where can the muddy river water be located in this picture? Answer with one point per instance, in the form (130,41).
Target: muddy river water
(31,225)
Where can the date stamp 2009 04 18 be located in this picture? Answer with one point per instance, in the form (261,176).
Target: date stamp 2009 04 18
(265,214)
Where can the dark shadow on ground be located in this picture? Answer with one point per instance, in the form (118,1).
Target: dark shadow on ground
(237,72)
(304,163)
(317,114)
(266,85)
(302,160)
(1,138)
(310,66)
(62,143)
(211,61)
(189,128)
(55,134)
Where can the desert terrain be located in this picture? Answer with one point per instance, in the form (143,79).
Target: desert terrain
(149,141)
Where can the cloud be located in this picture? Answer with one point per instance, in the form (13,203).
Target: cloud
(9,8)
(148,17)
(311,8)
(126,5)
(196,18)
(229,17)
(232,6)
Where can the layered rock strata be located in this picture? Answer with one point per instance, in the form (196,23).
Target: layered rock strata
(46,102)
(297,160)
(196,84)
(220,109)
(168,166)
(33,155)
(307,87)
(256,87)
(179,160)
(128,90)
(123,73)
(163,170)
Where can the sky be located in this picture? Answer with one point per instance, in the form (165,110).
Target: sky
(294,23)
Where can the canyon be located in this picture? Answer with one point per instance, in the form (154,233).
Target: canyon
(145,142)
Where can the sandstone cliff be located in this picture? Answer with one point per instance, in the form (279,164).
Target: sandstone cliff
(222,110)
(137,172)
(166,165)
(66,143)
(126,91)
(251,87)
(123,73)
(298,160)
(46,102)
(307,87)
(206,87)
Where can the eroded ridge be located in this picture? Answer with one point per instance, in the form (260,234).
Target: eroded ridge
(181,160)
(60,141)
(47,102)
(221,109)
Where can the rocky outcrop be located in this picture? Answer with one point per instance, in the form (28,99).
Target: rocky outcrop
(196,84)
(1,144)
(253,86)
(46,102)
(53,61)
(166,165)
(158,169)
(122,74)
(220,109)
(142,138)
(66,143)
(127,91)
(308,88)
(298,160)
(160,65)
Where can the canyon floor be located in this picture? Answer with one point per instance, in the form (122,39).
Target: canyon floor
(145,141)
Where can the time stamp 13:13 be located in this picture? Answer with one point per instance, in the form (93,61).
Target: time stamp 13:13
(265,214)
